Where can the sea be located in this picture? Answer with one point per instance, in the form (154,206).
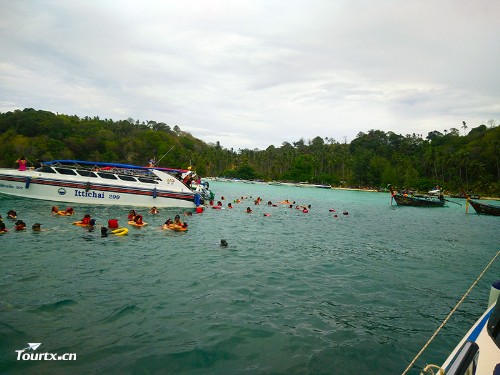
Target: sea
(354,285)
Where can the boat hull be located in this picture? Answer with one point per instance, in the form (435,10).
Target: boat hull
(489,353)
(60,188)
(485,209)
(417,202)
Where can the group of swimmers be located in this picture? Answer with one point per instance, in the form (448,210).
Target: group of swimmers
(68,212)
(257,201)
(19,225)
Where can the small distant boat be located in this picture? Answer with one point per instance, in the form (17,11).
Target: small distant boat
(416,201)
(321,186)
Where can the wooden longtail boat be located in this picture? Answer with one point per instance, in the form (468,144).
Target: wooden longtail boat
(420,201)
(485,209)
(481,208)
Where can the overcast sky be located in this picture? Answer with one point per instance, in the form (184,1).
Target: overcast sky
(254,73)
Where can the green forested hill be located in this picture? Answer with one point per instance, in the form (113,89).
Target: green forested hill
(373,159)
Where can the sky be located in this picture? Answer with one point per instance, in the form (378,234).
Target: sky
(256,73)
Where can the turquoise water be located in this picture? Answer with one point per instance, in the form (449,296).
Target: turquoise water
(293,293)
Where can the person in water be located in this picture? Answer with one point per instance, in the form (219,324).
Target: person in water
(20,225)
(177,221)
(69,211)
(131,215)
(168,222)
(55,210)
(2,227)
(85,220)
(229,205)
(36,227)
(249,210)
(104,232)
(138,219)
(22,163)
(91,225)
(12,214)
(113,223)
(223,243)
(154,210)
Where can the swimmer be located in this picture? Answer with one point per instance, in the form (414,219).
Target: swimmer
(20,225)
(12,214)
(104,232)
(188,213)
(249,210)
(229,205)
(113,224)
(138,219)
(69,211)
(131,215)
(85,220)
(3,229)
(36,227)
(223,243)
(154,211)
(168,222)
(177,220)
(55,210)
(91,225)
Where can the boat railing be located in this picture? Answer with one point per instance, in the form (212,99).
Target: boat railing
(138,173)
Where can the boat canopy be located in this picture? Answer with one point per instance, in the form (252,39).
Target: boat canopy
(112,165)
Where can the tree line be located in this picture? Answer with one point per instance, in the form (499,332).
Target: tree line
(373,159)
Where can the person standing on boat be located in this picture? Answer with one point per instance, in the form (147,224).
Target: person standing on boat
(22,163)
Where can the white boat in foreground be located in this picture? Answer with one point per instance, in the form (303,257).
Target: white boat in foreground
(83,182)
(478,352)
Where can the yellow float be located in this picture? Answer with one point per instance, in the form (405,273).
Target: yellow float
(120,231)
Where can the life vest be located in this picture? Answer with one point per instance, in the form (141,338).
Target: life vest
(112,224)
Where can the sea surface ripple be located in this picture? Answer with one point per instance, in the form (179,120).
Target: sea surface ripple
(293,293)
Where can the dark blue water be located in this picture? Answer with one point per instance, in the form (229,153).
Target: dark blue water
(293,293)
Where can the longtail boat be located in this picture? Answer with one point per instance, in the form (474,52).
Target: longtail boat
(485,209)
(416,201)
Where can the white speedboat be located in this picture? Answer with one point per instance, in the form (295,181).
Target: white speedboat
(83,182)
(478,352)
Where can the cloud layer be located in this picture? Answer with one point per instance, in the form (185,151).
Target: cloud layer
(254,73)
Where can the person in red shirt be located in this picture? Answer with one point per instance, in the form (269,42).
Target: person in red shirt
(86,220)
(22,163)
